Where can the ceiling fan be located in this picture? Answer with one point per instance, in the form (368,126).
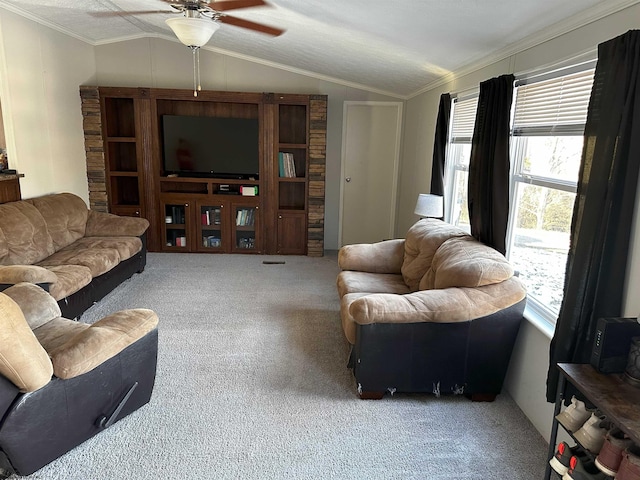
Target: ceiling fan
(200,20)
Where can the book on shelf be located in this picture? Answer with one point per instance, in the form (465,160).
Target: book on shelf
(286,165)
(245,217)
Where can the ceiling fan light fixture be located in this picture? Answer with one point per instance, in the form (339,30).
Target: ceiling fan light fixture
(192,31)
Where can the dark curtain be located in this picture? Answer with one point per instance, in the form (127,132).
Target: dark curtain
(488,195)
(440,145)
(603,209)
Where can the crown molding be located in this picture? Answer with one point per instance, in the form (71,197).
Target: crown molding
(597,12)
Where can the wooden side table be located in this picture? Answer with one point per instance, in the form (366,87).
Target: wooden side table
(10,187)
(615,398)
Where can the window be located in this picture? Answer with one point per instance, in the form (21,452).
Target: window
(549,115)
(546,147)
(458,154)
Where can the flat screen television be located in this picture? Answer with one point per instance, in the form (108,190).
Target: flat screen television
(210,146)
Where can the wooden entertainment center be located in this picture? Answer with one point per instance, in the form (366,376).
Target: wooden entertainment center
(277,214)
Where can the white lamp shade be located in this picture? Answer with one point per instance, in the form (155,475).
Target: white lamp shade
(193,32)
(429,205)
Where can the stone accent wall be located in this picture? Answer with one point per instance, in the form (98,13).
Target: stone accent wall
(94,148)
(317,169)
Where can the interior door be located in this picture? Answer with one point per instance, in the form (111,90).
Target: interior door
(370,156)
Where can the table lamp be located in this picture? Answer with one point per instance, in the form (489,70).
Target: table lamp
(429,205)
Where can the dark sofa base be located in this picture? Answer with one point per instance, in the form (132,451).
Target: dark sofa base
(77,303)
(40,426)
(468,358)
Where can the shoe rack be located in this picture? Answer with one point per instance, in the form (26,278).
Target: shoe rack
(610,394)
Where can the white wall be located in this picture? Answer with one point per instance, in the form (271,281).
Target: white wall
(526,379)
(41,105)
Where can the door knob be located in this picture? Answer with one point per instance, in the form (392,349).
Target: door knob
(348,179)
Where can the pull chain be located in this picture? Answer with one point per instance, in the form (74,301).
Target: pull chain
(196,70)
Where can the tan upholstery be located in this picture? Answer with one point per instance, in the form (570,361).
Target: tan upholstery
(56,240)
(65,216)
(446,276)
(97,260)
(107,337)
(22,358)
(69,279)
(423,240)
(24,238)
(58,346)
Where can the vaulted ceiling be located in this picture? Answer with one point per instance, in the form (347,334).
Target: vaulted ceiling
(397,48)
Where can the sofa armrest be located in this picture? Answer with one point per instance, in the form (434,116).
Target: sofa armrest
(381,257)
(101,341)
(13,274)
(36,304)
(455,304)
(100,224)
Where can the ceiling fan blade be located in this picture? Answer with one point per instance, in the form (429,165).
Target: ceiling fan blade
(258,27)
(225,5)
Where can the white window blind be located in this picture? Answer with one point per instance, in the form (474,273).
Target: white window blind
(464,119)
(556,106)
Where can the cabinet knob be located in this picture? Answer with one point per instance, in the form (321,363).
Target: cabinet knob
(186,204)
(348,179)
(279,216)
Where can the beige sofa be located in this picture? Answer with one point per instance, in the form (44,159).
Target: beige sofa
(437,311)
(78,254)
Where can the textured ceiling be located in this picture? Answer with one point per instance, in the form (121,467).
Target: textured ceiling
(391,47)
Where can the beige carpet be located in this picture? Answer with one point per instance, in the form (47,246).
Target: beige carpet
(252,384)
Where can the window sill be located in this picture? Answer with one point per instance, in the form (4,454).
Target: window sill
(533,316)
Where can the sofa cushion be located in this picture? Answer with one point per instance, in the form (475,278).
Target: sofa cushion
(24,238)
(71,278)
(65,215)
(364,282)
(422,241)
(97,260)
(127,247)
(22,358)
(466,262)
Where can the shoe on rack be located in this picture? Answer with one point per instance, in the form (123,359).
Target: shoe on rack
(560,460)
(591,434)
(630,464)
(583,469)
(574,416)
(610,456)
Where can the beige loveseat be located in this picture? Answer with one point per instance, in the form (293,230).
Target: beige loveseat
(437,311)
(78,254)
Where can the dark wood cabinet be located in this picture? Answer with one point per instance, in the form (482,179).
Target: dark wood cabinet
(10,188)
(124,145)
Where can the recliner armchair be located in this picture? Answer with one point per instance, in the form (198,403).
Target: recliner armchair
(62,381)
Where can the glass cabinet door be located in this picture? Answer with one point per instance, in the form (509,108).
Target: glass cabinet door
(211,227)
(176,226)
(246,222)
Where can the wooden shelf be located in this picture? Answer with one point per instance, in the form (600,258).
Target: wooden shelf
(124,167)
(610,393)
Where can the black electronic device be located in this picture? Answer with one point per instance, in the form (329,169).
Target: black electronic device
(218,147)
(612,342)
(9,171)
